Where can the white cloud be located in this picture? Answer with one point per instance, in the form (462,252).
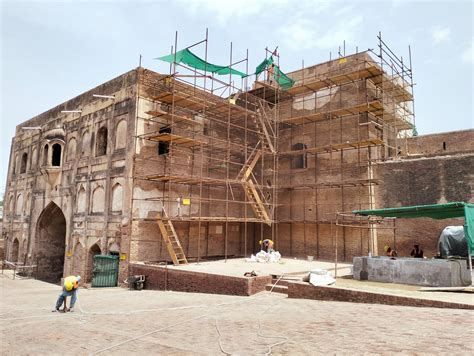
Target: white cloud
(468,54)
(440,34)
(305,34)
(227,9)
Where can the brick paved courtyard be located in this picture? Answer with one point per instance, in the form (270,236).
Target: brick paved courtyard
(119,321)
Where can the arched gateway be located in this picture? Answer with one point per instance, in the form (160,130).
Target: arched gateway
(50,243)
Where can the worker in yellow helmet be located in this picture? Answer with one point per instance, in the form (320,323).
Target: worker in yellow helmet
(266,245)
(71,284)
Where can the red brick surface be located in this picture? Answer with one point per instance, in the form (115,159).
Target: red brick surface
(308,291)
(161,278)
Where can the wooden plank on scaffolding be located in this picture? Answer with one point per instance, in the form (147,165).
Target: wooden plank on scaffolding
(175,139)
(392,88)
(373,106)
(336,79)
(184,100)
(182,179)
(173,117)
(336,147)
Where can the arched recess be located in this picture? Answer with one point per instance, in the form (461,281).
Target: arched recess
(15,164)
(19,204)
(10,204)
(98,200)
(121,135)
(46,155)
(34,158)
(15,250)
(24,162)
(27,204)
(117,198)
(85,144)
(56,155)
(78,262)
(101,148)
(50,243)
(81,200)
(94,250)
(71,149)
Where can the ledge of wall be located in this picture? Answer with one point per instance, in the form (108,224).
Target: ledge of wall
(186,281)
(328,293)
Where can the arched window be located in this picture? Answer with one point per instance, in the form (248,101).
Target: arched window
(85,144)
(45,155)
(56,156)
(117,198)
(24,162)
(98,200)
(121,135)
(71,149)
(300,161)
(34,158)
(19,204)
(81,200)
(101,149)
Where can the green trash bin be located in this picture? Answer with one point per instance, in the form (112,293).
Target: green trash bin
(105,271)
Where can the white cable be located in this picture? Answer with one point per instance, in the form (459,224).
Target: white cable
(148,334)
(219,339)
(270,347)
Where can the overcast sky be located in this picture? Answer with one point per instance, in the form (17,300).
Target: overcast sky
(52,51)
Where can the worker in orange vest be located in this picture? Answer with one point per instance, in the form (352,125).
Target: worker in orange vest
(70,287)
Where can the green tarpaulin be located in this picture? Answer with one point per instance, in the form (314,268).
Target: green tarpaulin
(262,66)
(281,78)
(434,211)
(187,57)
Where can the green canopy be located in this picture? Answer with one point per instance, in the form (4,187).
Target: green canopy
(434,211)
(187,57)
(281,78)
(262,66)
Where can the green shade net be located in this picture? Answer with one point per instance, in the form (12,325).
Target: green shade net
(281,78)
(262,66)
(434,211)
(187,57)
(469,225)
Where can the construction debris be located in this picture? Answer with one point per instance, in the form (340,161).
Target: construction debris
(265,257)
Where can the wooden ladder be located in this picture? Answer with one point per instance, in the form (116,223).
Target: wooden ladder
(263,127)
(254,195)
(171,239)
(256,202)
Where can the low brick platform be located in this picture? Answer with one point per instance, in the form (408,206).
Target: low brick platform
(161,278)
(332,293)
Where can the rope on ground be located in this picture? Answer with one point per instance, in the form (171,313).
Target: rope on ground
(219,340)
(270,347)
(147,334)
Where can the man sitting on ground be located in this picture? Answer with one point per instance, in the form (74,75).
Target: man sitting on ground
(417,252)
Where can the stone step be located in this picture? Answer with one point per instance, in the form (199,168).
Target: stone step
(277,289)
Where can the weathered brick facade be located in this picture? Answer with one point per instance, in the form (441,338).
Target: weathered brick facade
(93,180)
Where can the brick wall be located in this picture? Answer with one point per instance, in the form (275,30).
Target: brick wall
(160,278)
(423,181)
(331,293)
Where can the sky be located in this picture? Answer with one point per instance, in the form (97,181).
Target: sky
(52,51)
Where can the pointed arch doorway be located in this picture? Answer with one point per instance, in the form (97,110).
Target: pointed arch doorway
(50,243)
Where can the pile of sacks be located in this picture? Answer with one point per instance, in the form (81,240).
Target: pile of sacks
(262,256)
